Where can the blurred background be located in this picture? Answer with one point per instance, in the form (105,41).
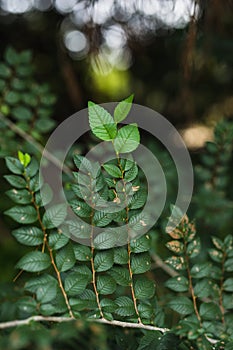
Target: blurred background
(174,55)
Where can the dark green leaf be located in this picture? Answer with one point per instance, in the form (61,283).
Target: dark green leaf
(29,235)
(106,285)
(113,170)
(140,263)
(81,209)
(82,252)
(54,216)
(121,275)
(209,311)
(44,286)
(22,113)
(141,244)
(103,261)
(182,305)
(125,306)
(201,270)
(22,214)
(16,181)
(34,262)
(19,196)
(178,284)
(75,283)
(14,165)
(105,240)
(57,240)
(228,285)
(65,258)
(121,256)
(144,288)
(177,262)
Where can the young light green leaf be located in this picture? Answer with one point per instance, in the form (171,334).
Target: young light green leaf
(101,122)
(34,262)
(127,139)
(23,214)
(122,109)
(54,216)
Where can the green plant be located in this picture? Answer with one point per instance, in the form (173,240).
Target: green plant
(106,283)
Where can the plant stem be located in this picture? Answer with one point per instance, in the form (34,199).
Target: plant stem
(46,244)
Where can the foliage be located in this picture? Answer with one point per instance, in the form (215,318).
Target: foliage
(105,281)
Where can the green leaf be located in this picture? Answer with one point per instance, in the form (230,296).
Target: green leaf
(216,255)
(5,71)
(178,284)
(122,109)
(11,56)
(127,139)
(81,209)
(12,98)
(65,258)
(101,122)
(138,200)
(101,219)
(140,263)
(82,252)
(201,270)
(26,307)
(144,288)
(34,262)
(150,341)
(77,229)
(105,240)
(121,275)
(229,265)
(103,261)
(177,262)
(125,306)
(113,170)
(108,305)
(57,240)
(44,125)
(44,286)
(105,285)
(141,244)
(54,216)
(82,163)
(22,214)
(194,247)
(75,283)
(35,183)
(19,196)
(121,256)
(209,311)
(29,235)
(22,113)
(146,311)
(203,288)
(46,194)
(131,174)
(228,285)
(16,181)
(182,305)
(14,165)
(217,243)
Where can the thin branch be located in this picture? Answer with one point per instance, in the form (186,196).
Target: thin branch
(38,318)
(159,262)
(28,138)
(15,323)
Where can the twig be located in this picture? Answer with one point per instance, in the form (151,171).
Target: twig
(38,318)
(17,130)
(159,262)
(15,323)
